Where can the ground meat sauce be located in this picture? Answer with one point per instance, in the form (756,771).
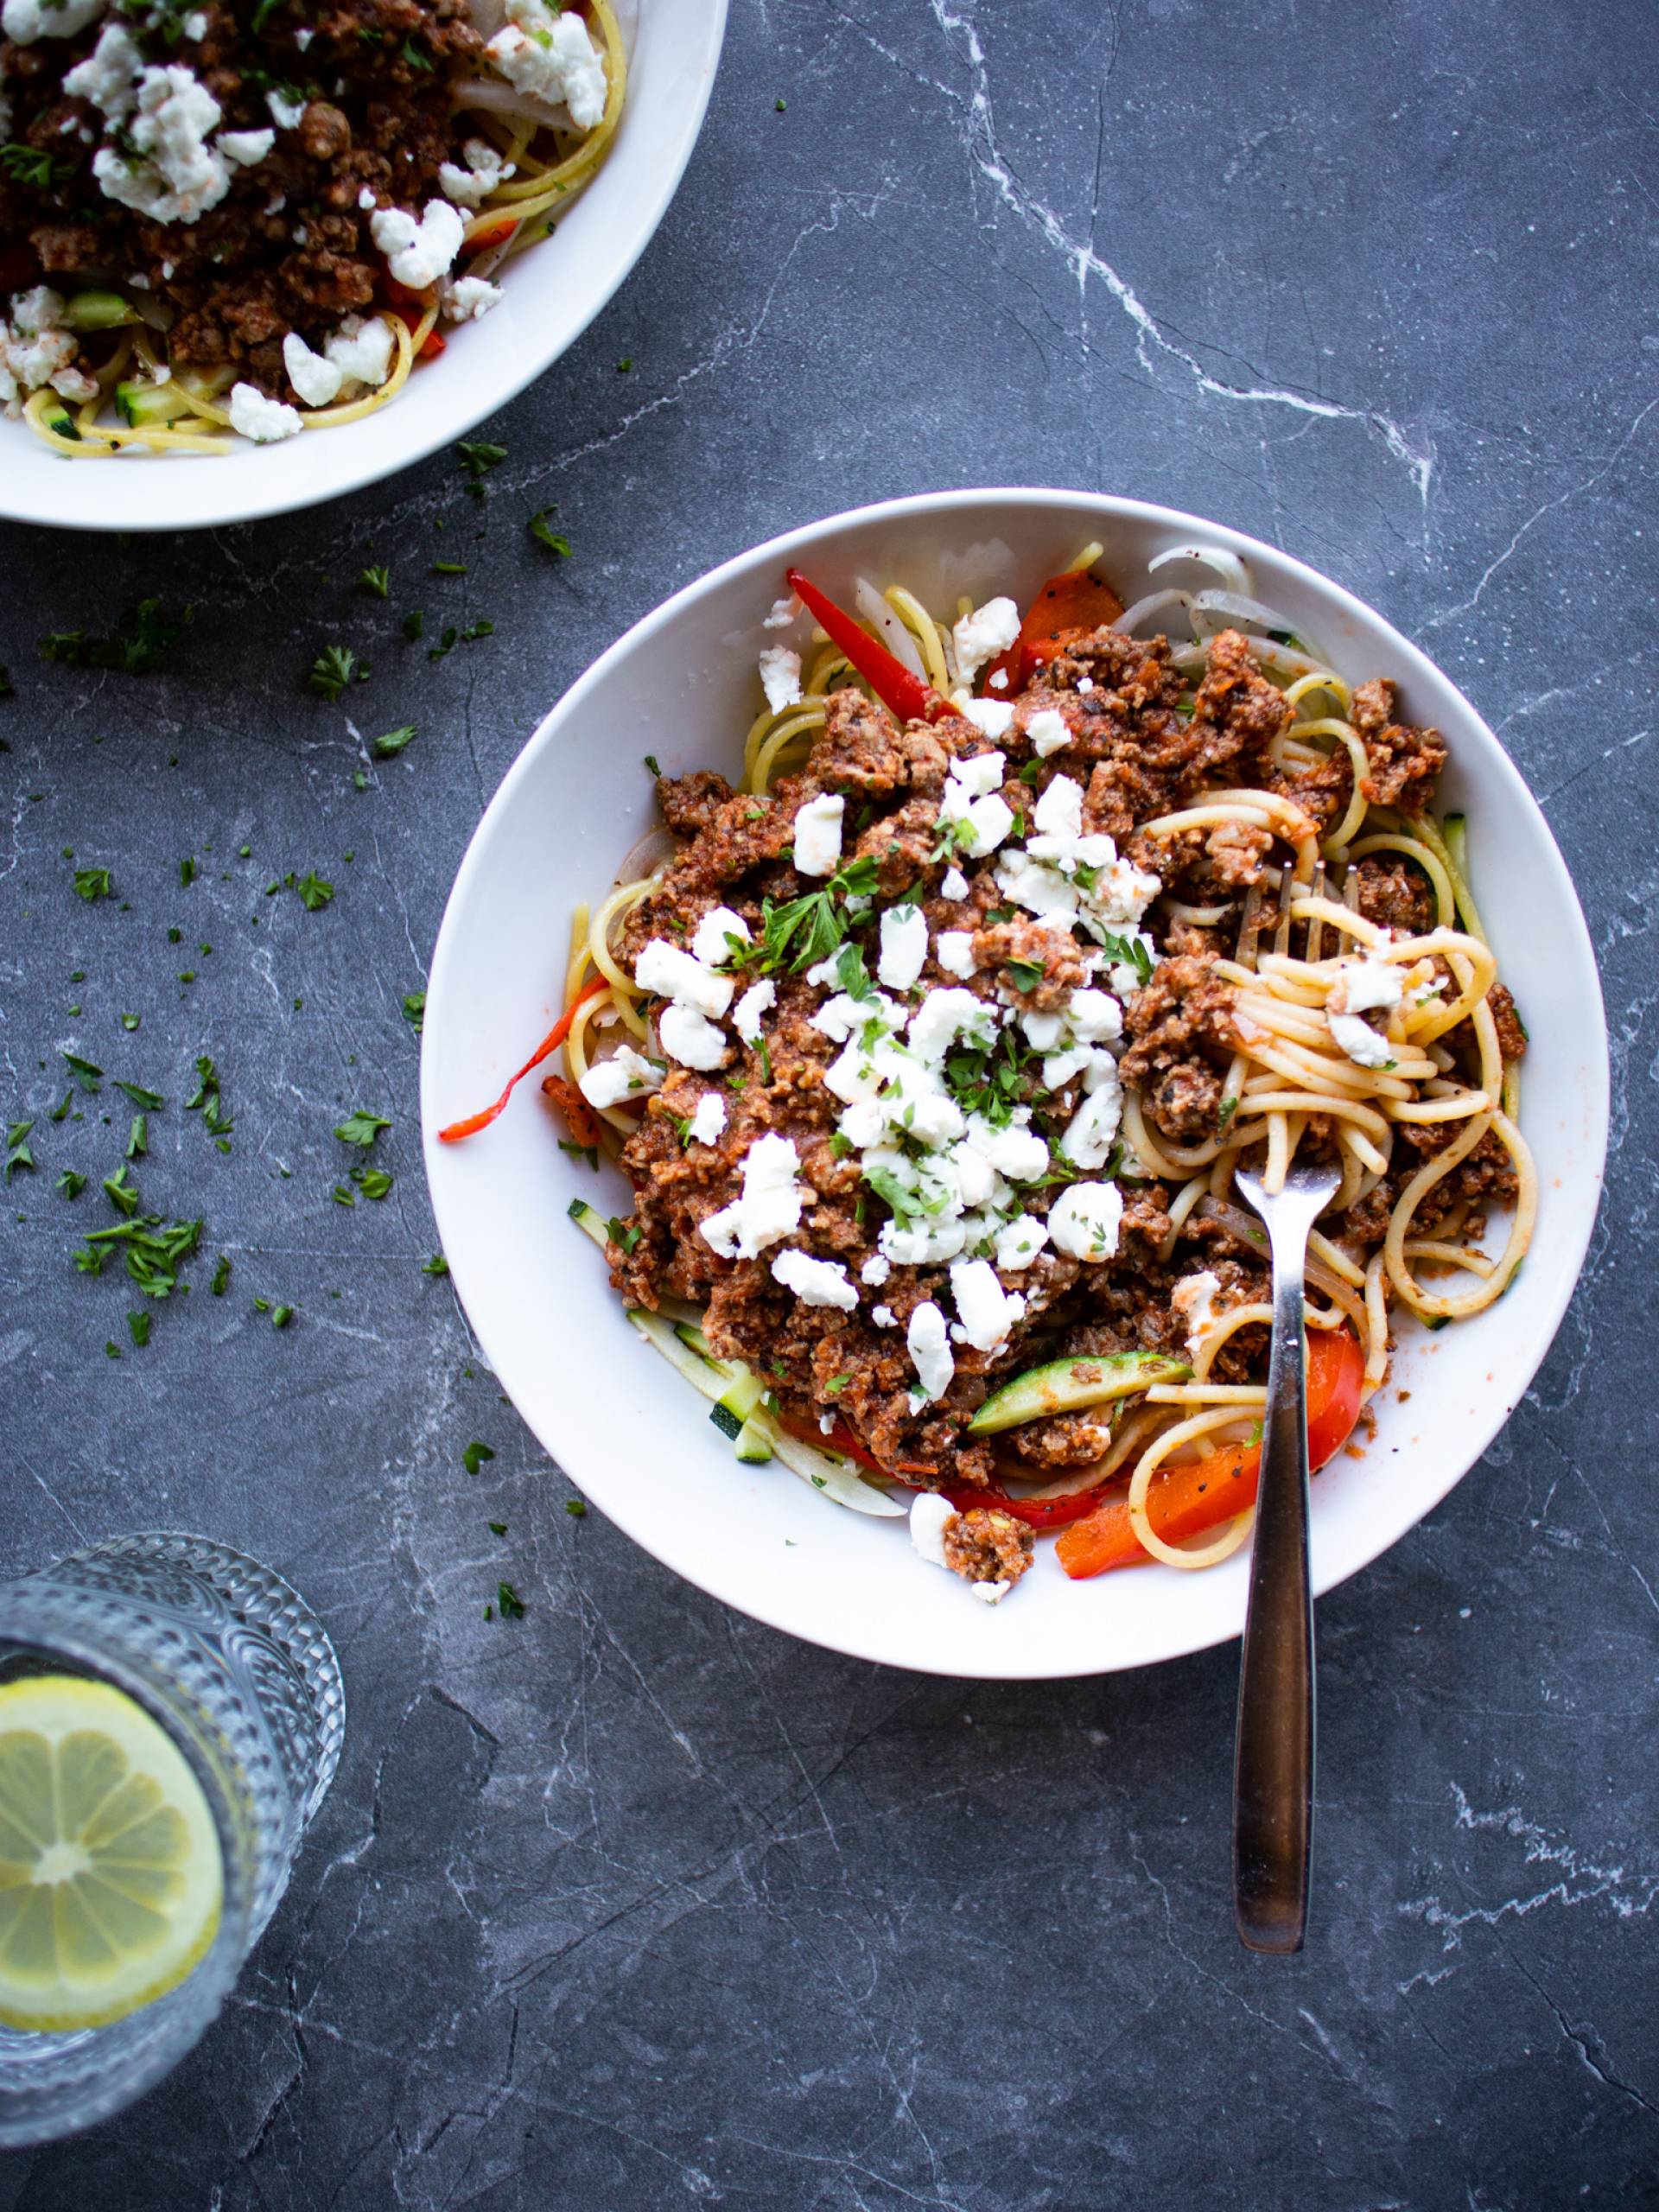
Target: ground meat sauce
(1135,755)
(288,247)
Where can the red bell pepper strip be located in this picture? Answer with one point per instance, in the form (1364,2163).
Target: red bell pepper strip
(892,682)
(1074,600)
(572,1108)
(1186,1501)
(1035,1512)
(554,1036)
(495,233)
(841,1439)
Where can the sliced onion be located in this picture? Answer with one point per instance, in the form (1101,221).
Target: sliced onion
(495,96)
(891,631)
(1154,602)
(1248,1230)
(1227,566)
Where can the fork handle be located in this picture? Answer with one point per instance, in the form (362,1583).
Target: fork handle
(1273,1774)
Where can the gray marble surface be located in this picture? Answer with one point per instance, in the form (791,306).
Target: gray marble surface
(632,1903)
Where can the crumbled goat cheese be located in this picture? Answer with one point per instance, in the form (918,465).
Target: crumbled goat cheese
(1094,1017)
(1090,1132)
(313,375)
(1362,987)
(904,947)
(929,1516)
(673,973)
(36,350)
(769,1208)
(484,172)
(942,1016)
(954,886)
(170,172)
(758,999)
(783,611)
(707,1124)
(24,21)
(993,718)
(690,1037)
(627,1075)
(986,1311)
(972,797)
(108,76)
(815,1282)
(464,299)
(928,1343)
(303,38)
(368,197)
(884,1316)
(1048,731)
(284,113)
(245,148)
(954,951)
(1194,1299)
(780,676)
(817,835)
(1084,1220)
(981,636)
(989,1593)
(1019,1241)
(195,25)
(1018,1152)
(362,347)
(417,252)
(721,935)
(263,420)
(552,57)
(875,1270)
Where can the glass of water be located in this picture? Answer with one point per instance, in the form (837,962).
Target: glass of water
(170,1718)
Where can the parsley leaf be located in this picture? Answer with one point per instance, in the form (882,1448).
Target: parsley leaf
(512,1604)
(139,1326)
(315,892)
(1027,974)
(92,883)
(40,171)
(334,667)
(70,1184)
(17,1152)
(474,1456)
(85,1072)
(389,746)
(206,1099)
(438,1265)
(478,459)
(378,581)
(555,540)
(150,1101)
(359,1128)
(415,1009)
(1128,952)
(624,1234)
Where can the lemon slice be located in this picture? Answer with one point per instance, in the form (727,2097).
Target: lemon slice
(110,1878)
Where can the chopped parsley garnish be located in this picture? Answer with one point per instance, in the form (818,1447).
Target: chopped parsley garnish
(281,1316)
(476,630)
(17,1152)
(449,568)
(511,1604)
(153,1250)
(85,1072)
(373,1182)
(315,892)
(474,1456)
(555,540)
(138,1323)
(206,1099)
(359,1128)
(415,1009)
(990,1080)
(40,171)
(652,765)
(839,1144)
(144,637)
(138,1138)
(438,1265)
(334,667)
(414,624)
(836,1383)
(575,1509)
(1027,974)
(92,883)
(389,746)
(70,1184)
(590,1151)
(623,1234)
(805,931)
(186,873)
(149,1100)
(221,1281)
(478,459)
(121,1191)
(378,581)
(1128,952)
(1229,1107)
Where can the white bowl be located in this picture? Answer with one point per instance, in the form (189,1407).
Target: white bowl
(682,684)
(553,292)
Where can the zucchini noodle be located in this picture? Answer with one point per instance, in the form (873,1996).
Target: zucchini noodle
(553,163)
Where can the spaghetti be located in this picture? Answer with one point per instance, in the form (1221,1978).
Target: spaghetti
(1301,970)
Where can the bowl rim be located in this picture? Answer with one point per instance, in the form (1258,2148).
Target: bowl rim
(770,557)
(512,373)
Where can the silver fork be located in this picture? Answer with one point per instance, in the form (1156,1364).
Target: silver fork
(1273,1771)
